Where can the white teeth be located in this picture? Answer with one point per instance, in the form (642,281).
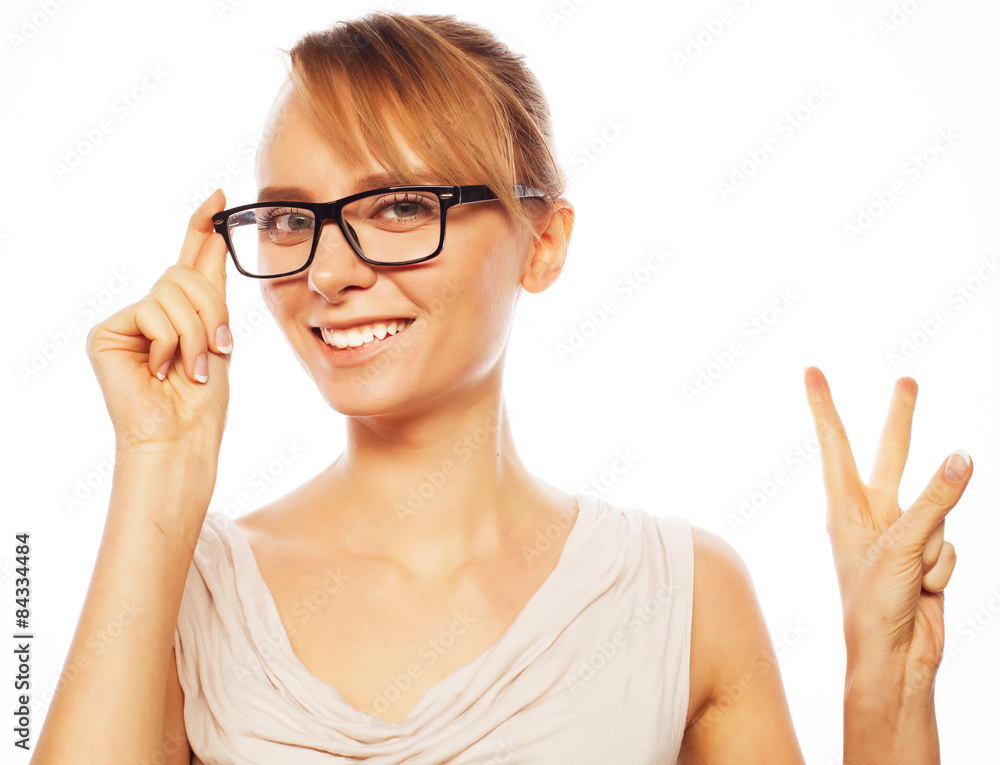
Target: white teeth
(357,336)
(354,338)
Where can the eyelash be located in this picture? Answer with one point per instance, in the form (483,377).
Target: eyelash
(387,202)
(270,215)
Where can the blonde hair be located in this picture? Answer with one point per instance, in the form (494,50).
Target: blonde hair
(462,100)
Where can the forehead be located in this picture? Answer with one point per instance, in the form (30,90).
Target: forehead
(294,154)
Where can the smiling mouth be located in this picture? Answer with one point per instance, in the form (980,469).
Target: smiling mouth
(367,334)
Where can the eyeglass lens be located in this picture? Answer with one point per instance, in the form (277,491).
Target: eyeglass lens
(390,227)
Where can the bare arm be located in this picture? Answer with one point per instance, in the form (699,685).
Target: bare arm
(744,717)
(119,694)
(163,367)
(176,749)
(889,715)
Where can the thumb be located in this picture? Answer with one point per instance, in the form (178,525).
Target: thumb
(200,227)
(939,496)
(212,262)
(204,249)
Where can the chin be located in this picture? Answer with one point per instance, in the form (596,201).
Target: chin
(365,400)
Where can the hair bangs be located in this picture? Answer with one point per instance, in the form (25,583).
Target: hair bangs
(389,88)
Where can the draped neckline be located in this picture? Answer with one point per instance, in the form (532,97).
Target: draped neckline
(457,679)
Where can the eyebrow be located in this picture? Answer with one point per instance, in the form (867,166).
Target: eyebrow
(374,181)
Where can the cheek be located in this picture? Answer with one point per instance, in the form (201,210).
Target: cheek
(281,303)
(491,291)
(267,295)
(275,298)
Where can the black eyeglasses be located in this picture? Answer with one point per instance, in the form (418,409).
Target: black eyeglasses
(392,226)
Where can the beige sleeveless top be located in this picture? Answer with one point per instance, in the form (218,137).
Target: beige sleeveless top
(594,669)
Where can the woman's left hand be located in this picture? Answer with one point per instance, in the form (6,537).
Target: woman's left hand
(892,566)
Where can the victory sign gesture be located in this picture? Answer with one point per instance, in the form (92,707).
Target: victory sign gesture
(892,568)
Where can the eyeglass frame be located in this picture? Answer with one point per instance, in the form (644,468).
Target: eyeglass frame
(448,197)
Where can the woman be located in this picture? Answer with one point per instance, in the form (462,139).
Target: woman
(426,598)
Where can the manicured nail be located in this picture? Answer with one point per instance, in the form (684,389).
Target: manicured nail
(201,368)
(223,339)
(958,463)
(161,373)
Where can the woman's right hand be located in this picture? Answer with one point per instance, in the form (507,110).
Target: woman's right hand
(179,330)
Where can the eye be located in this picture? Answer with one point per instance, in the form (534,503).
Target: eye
(283,220)
(406,208)
(294,222)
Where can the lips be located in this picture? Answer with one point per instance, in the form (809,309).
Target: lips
(355,356)
(363,334)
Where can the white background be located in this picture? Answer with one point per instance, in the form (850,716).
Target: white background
(894,75)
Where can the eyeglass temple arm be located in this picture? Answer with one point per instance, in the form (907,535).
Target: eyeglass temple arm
(468,194)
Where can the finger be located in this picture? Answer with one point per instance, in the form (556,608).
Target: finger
(940,495)
(840,474)
(894,444)
(933,547)
(211,262)
(153,322)
(200,229)
(148,330)
(207,303)
(187,324)
(937,578)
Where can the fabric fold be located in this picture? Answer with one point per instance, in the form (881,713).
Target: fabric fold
(594,669)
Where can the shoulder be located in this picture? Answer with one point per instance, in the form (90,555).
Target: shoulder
(736,697)
(724,594)
(722,590)
(718,567)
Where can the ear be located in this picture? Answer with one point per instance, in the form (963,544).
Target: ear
(548,252)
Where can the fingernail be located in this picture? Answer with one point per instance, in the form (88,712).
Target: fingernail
(957,465)
(161,373)
(201,368)
(223,339)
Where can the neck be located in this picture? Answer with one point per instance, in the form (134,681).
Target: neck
(432,495)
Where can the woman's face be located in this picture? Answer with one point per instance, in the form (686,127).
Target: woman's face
(461,302)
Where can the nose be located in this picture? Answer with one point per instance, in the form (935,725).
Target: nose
(336,265)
